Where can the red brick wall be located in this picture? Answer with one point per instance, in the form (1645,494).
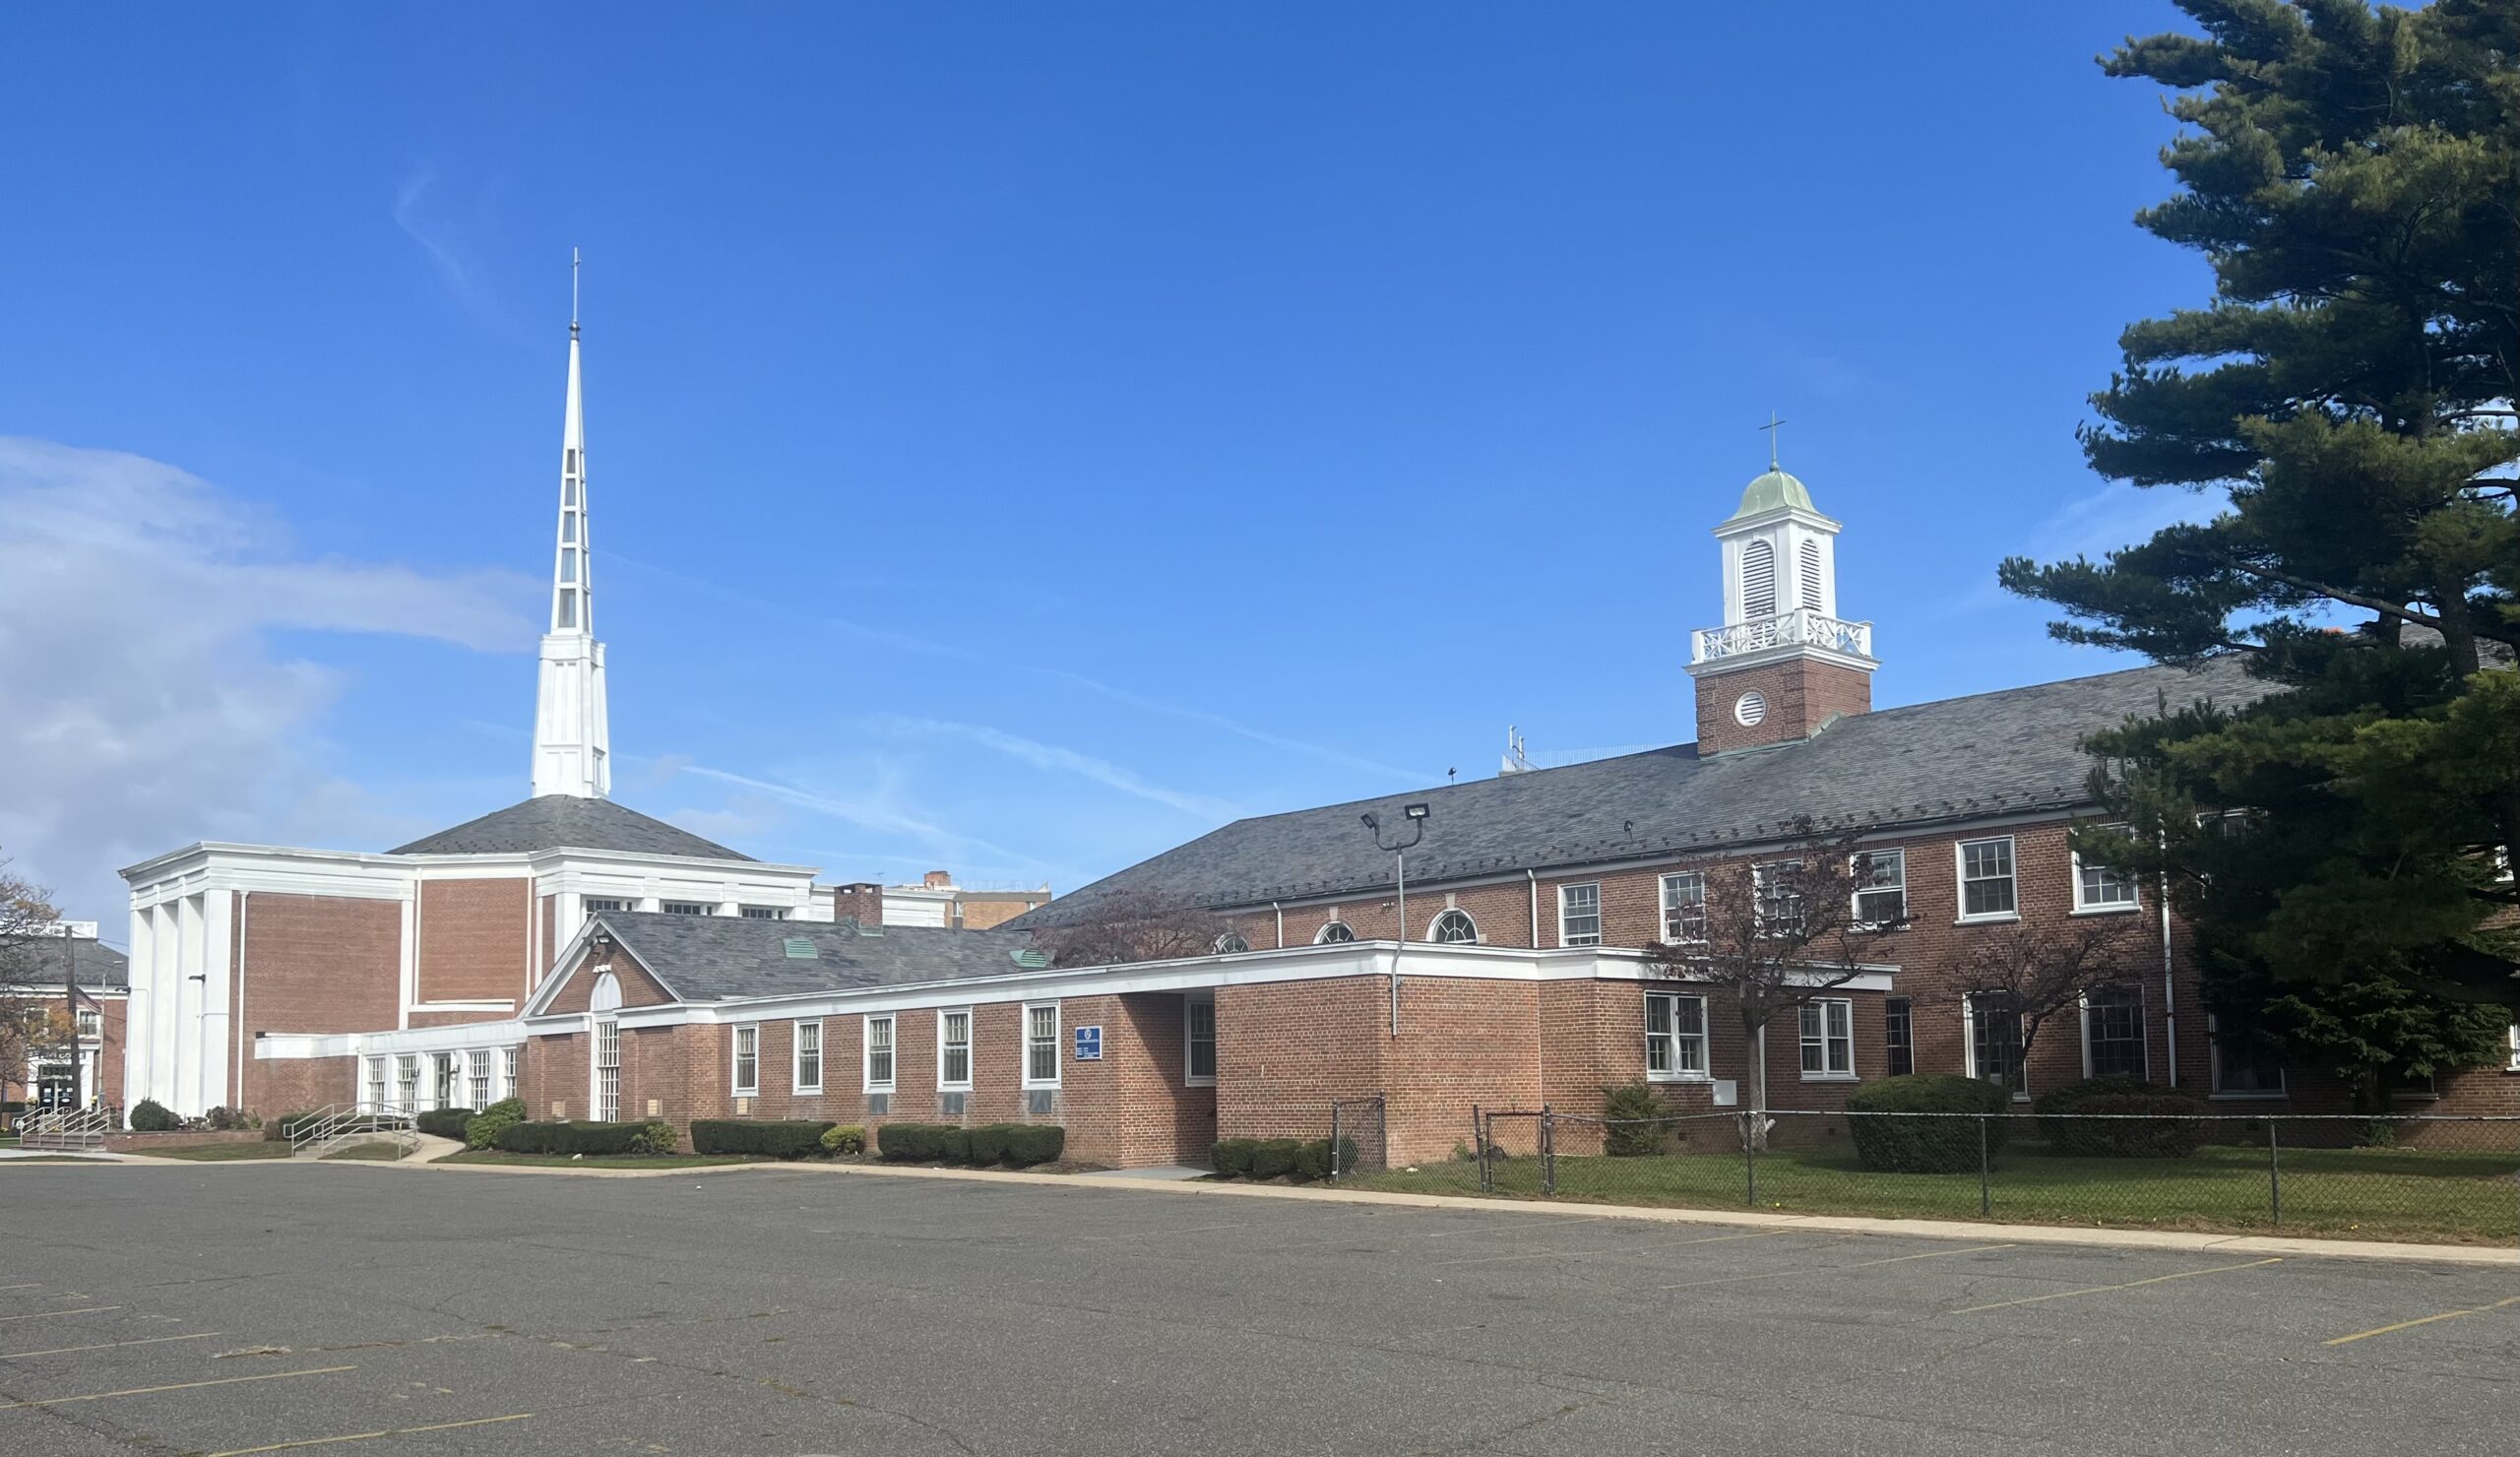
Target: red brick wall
(313,964)
(276,1088)
(473,939)
(1801,693)
(638,987)
(551,947)
(862,902)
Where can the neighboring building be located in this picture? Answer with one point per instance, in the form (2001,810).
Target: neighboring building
(37,978)
(937,900)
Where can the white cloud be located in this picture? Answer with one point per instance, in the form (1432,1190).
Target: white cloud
(449,248)
(1067,761)
(142,706)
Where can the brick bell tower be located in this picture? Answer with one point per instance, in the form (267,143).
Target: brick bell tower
(1784,663)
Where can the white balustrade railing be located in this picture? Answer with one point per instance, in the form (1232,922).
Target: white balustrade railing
(1799,628)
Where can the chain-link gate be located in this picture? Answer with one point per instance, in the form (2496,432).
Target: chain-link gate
(1357,1144)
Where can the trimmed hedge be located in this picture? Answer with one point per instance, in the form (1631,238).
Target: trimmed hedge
(846,1139)
(481,1131)
(922,1143)
(1940,1145)
(1269,1158)
(1233,1157)
(1028,1144)
(148,1115)
(986,1144)
(1019,1144)
(591,1139)
(790,1138)
(445,1122)
(1272,1158)
(2176,1133)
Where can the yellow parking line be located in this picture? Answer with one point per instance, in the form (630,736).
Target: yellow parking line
(1896,1259)
(367,1436)
(48,1315)
(2425,1320)
(57,1401)
(106,1346)
(2098,1290)
(1577,1254)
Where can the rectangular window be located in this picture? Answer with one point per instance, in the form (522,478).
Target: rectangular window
(376,1082)
(2099,888)
(954,1048)
(1675,1035)
(477,1073)
(2244,1068)
(747,1079)
(605,902)
(442,1080)
(1579,915)
(607,1070)
(879,1055)
(2515,1047)
(1994,1041)
(1199,1039)
(1777,888)
(407,1083)
(1986,880)
(689,907)
(1684,907)
(765,913)
(2114,1033)
(1828,1039)
(1881,881)
(1041,1045)
(507,1071)
(92,1024)
(807,1074)
(1899,1035)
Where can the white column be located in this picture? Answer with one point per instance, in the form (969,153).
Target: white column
(193,969)
(218,1021)
(139,1040)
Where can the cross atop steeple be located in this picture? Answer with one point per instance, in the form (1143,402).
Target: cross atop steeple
(1772,427)
(570,734)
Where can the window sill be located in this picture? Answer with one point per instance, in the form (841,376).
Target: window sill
(884,1092)
(804,1091)
(2007,916)
(1579,945)
(940,1087)
(745,1093)
(2247,1097)
(1198,1081)
(1041,1087)
(1831,1077)
(2105,909)
(1678,1077)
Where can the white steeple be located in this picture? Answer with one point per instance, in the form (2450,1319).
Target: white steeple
(571,742)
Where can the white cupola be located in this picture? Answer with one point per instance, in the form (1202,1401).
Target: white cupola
(1780,553)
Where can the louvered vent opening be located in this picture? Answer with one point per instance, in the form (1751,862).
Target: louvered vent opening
(1812,575)
(1758,580)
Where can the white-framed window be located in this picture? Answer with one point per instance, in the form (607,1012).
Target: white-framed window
(2515,1047)
(1336,933)
(689,907)
(477,1076)
(376,1082)
(2099,888)
(1453,928)
(442,1080)
(1675,1035)
(508,1059)
(2114,1033)
(1881,887)
(92,1024)
(1199,1039)
(1994,1026)
(878,1054)
(954,1050)
(763,912)
(607,1070)
(1899,1035)
(1232,943)
(1777,893)
(2248,1070)
(1828,1039)
(1684,907)
(747,1060)
(1041,1045)
(407,1082)
(595,905)
(1579,915)
(1987,889)
(807,1074)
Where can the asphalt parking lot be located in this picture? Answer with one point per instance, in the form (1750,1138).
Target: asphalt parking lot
(250,1309)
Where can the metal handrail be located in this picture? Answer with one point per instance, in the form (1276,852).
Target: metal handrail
(338,1119)
(70,1129)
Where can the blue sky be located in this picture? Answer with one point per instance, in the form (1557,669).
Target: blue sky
(1023,437)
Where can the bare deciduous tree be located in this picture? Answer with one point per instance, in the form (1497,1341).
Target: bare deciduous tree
(2043,970)
(31,1017)
(1128,925)
(1776,931)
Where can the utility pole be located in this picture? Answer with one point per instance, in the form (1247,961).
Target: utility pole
(70,998)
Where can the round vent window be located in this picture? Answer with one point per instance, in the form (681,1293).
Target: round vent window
(1751,708)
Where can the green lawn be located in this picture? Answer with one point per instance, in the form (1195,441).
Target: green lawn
(605,1160)
(226,1153)
(2357,1193)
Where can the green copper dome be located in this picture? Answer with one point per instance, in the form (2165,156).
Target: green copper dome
(1774,490)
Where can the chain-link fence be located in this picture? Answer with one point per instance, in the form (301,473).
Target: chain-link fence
(2445,1180)
(1356,1142)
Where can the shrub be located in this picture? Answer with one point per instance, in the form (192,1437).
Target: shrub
(1312,1160)
(1028,1144)
(444,1123)
(225,1119)
(911,1143)
(1633,1101)
(788,1138)
(656,1136)
(1233,1157)
(148,1115)
(1935,1145)
(590,1139)
(844,1138)
(284,1127)
(1273,1156)
(990,1141)
(2174,1135)
(482,1129)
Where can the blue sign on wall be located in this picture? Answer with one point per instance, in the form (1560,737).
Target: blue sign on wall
(1089,1045)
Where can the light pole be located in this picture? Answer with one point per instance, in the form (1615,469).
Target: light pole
(1416,815)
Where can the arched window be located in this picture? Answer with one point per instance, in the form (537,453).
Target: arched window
(1453,929)
(1232,942)
(606,993)
(1334,933)
(1812,575)
(1758,580)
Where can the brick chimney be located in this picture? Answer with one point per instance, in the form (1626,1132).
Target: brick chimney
(940,880)
(860,901)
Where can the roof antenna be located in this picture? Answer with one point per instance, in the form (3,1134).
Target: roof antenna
(1515,760)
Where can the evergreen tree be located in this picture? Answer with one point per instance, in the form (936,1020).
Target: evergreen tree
(2354,177)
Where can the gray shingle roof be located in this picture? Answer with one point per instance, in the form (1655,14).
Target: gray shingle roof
(567,822)
(712,957)
(1983,754)
(38,962)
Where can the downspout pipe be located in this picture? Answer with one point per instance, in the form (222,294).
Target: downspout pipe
(2169,980)
(1280,911)
(1534,877)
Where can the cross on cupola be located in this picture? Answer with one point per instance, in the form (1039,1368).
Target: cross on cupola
(1784,663)
(571,737)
